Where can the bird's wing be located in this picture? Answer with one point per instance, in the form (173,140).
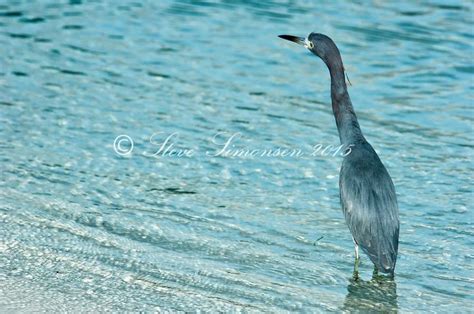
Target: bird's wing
(370,207)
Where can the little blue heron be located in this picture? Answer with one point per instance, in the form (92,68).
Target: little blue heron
(366,191)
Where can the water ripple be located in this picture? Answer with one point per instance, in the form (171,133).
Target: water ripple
(84,228)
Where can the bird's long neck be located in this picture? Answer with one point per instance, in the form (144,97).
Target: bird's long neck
(346,119)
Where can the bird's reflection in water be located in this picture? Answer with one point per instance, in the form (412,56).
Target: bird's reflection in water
(377,295)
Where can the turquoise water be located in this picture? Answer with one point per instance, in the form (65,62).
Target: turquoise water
(85,228)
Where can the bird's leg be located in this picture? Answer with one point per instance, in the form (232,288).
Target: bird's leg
(356,262)
(376,272)
(356,249)
(355,274)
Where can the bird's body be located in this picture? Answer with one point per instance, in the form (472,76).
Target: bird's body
(369,205)
(367,193)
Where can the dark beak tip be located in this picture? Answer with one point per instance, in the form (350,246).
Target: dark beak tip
(295,39)
(287,37)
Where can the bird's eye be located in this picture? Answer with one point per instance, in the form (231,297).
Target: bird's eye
(310,45)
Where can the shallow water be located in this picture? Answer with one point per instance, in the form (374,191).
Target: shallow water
(85,228)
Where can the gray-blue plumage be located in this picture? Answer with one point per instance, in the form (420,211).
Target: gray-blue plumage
(369,204)
(367,194)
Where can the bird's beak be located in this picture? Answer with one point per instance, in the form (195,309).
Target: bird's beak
(299,40)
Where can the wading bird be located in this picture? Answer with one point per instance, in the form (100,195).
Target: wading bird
(367,194)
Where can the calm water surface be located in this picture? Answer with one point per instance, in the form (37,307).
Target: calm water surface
(83,228)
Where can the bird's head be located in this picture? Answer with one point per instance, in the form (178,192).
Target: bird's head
(319,44)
